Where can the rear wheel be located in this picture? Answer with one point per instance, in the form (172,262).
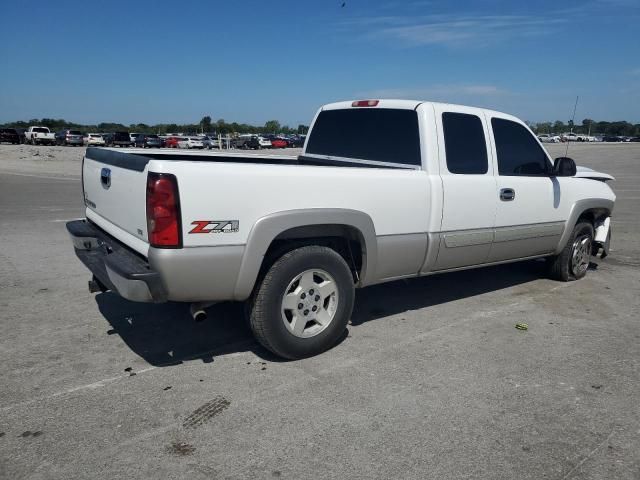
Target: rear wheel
(573,262)
(304,302)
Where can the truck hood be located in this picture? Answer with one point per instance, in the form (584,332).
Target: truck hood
(585,172)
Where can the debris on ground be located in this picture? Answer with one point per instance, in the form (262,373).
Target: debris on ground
(522,326)
(181,448)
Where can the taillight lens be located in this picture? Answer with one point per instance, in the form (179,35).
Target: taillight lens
(163,211)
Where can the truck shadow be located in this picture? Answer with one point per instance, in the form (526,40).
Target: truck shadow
(400,296)
(166,335)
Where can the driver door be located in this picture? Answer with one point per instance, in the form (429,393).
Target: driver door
(530,213)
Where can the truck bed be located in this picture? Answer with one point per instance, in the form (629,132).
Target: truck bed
(137,159)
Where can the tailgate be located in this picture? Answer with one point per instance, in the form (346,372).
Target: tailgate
(115,185)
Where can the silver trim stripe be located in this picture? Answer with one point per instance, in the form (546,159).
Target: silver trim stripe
(508,234)
(466,238)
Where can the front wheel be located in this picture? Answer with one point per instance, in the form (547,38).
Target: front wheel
(304,302)
(572,262)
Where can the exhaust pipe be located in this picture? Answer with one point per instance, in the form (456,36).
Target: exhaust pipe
(198,312)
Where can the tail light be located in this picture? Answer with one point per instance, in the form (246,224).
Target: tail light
(163,211)
(365,103)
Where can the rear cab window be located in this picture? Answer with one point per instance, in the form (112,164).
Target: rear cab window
(384,135)
(465,144)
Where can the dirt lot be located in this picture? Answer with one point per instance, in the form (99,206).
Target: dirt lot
(432,381)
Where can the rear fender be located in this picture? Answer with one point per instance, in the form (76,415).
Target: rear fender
(267,228)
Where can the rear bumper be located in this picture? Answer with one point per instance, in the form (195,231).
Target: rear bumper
(117,267)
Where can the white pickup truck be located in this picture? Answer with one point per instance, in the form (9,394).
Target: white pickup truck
(384,190)
(39,136)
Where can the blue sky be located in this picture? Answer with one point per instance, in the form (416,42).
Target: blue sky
(251,61)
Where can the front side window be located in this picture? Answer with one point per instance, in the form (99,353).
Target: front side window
(378,134)
(519,154)
(465,144)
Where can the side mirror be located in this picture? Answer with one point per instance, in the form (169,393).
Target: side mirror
(564,167)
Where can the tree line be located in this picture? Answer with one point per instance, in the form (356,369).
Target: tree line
(206,125)
(588,127)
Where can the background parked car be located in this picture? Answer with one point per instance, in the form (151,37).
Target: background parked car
(279,143)
(118,139)
(95,140)
(36,135)
(241,141)
(148,141)
(296,141)
(191,142)
(133,137)
(10,135)
(264,142)
(548,138)
(172,142)
(210,142)
(69,137)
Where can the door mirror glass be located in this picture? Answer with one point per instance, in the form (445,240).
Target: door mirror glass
(564,167)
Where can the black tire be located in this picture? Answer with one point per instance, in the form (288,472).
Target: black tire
(561,267)
(266,317)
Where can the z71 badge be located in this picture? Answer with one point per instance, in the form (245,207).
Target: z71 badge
(215,226)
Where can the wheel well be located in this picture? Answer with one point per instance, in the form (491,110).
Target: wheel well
(592,215)
(345,240)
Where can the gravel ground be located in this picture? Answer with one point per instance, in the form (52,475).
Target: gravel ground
(66,161)
(432,380)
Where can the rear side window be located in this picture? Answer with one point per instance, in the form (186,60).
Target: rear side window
(465,144)
(518,152)
(380,134)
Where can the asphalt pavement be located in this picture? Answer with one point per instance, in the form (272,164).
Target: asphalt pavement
(431,380)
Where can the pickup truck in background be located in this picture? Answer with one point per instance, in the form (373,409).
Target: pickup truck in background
(456,188)
(39,136)
(118,139)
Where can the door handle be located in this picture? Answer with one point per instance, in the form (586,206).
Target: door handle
(507,194)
